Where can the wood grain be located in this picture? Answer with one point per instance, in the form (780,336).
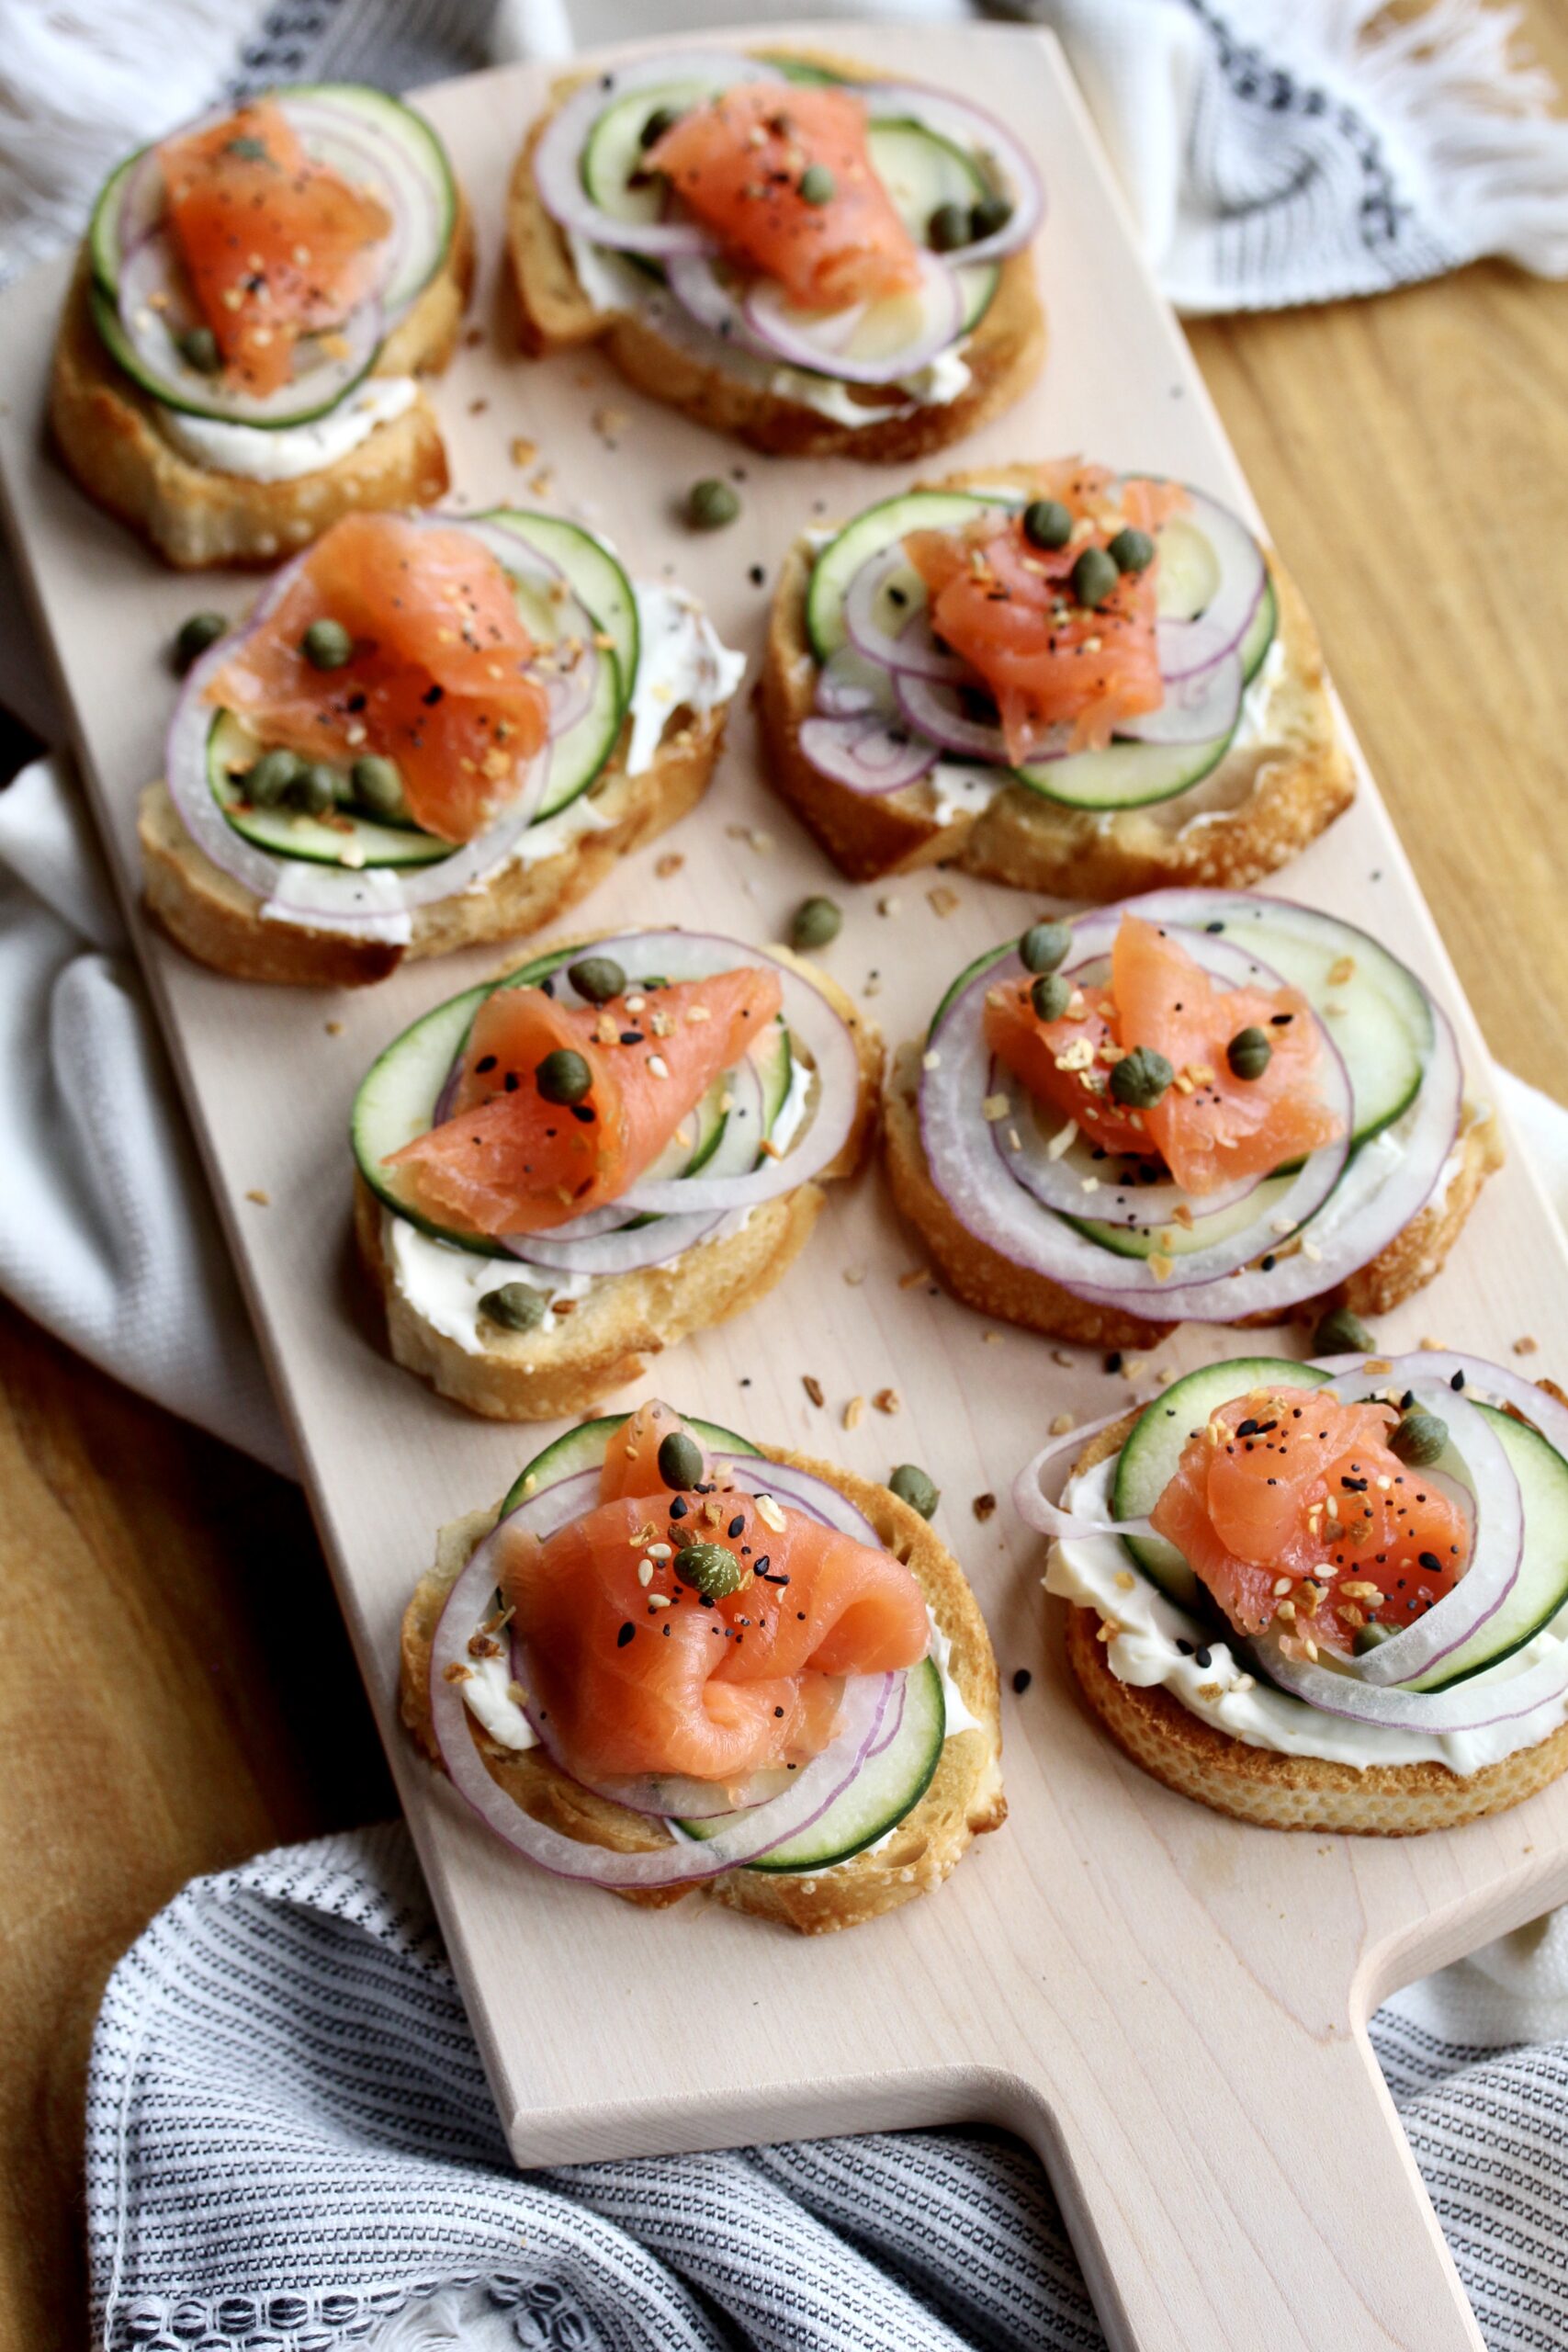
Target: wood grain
(219,1710)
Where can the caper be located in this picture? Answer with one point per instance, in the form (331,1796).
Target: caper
(563,1076)
(817,185)
(679,1461)
(266,784)
(196,635)
(915,1486)
(661,119)
(1141,1078)
(1050,996)
(1249,1053)
(597,977)
(1044,945)
(815,922)
(1094,578)
(947,228)
(517,1307)
(711,1570)
(710,506)
(199,348)
(1047,523)
(1340,1333)
(326,645)
(1371,1636)
(1131,550)
(314,789)
(379,786)
(1420,1439)
(991,213)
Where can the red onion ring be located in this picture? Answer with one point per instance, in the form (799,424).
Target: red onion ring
(1492,1380)
(1196,709)
(703,294)
(867,753)
(970,126)
(795,336)
(1474,1705)
(1036,1507)
(1189,647)
(849,686)
(914,649)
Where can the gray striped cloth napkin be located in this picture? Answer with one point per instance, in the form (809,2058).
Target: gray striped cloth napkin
(290,2148)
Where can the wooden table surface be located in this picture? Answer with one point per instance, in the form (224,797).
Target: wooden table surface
(177,1691)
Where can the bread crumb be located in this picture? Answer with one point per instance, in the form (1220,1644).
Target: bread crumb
(262,1200)
(1062,1424)
(854,1412)
(333,1028)
(854,1276)
(916,1275)
(670,863)
(888,906)
(812,1387)
(523,452)
(982,1506)
(1526,1346)
(887,1400)
(941,900)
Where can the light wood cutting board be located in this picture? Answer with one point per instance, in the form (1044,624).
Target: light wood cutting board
(1168,2006)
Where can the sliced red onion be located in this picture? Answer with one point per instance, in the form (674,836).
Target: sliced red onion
(142,200)
(557,158)
(707,296)
(1058,1183)
(971,127)
(1195,710)
(812,338)
(1475,1704)
(867,753)
(1034,1506)
(800,1490)
(1486,1381)
(911,648)
(816,1785)
(1189,646)
(849,686)
(936,711)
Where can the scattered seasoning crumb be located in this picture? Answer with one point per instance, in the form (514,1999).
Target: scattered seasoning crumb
(941,900)
(988,1339)
(873,984)
(916,1275)
(984,1505)
(1433,1347)
(1132,1367)
(542,481)
(670,863)
(854,1412)
(1062,1424)
(1060,1355)
(1021,1679)
(262,1200)
(333,1028)
(523,452)
(812,1387)
(887,1400)
(1525,1346)
(996,1107)
(888,906)
(610,422)
(477,408)
(1125,1580)
(854,1276)
(645,1573)
(770,1514)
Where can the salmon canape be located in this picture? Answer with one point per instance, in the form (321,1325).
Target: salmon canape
(257,297)
(786,248)
(429,731)
(1200,1106)
(1078,682)
(1323,1596)
(674,1660)
(618,1143)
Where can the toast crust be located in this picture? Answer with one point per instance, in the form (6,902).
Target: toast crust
(218,922)
(106,429)
(982,1278)
(1004,353)
(607,1340)
(964,1798)
(1260,808)
(1276,1792)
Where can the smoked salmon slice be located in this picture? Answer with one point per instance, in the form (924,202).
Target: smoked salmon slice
(438,679)
(739,163)
(509,1160)
(1210,1127)
(1007,606)
(274,245)
(1295,1512)
(638,1676)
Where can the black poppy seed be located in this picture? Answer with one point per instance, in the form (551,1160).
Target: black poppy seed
(738,1524)
(624,1636)
(486,1062)
(1021,1680)
(677,1507)
(1203,1657)
(510,1082)
(1246,1428)
(1185,1647)
(1430,1562)
(1458,1380)
(584,1113)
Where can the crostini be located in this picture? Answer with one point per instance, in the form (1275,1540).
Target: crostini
(1202,1106)
(786,248)
(1326,1597)
(673,1660)
(431,731)
(1082,685)
(620,1142)
(256,299)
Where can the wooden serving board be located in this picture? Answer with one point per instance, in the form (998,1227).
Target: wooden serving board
(1168,2006)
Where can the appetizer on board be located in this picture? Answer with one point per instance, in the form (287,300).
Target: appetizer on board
(624,1140)
(789,249)
(1080,683)
(1202,1106)
(676,1660)
(1326,1596)
(257,297)
(430,731)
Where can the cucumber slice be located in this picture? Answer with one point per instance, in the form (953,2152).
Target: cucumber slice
(922,171)
(412,153)
(868,534)
(1260,633)
(885,1788)
(612,164)
(333,378)
(1146,1464)
(1179,1241)
(1540,1589)
(103,230)
(289,833)
(583,1448)
(596,576)
(1124,776)
(971,972)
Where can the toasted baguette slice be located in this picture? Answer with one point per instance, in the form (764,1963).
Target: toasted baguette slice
(608,1337)
(1277,1792)
(108,433)
(982,1278)
(219,922)
(1259,808)
(1004,354)
(964,1797)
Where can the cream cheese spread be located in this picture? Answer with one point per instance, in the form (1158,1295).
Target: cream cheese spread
(1097,1573)
(258,452)
(681,664)
(364,905)
(444,1284)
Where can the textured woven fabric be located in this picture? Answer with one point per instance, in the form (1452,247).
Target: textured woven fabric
(291,2148)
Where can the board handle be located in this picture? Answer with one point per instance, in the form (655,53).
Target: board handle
(1265,2199)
